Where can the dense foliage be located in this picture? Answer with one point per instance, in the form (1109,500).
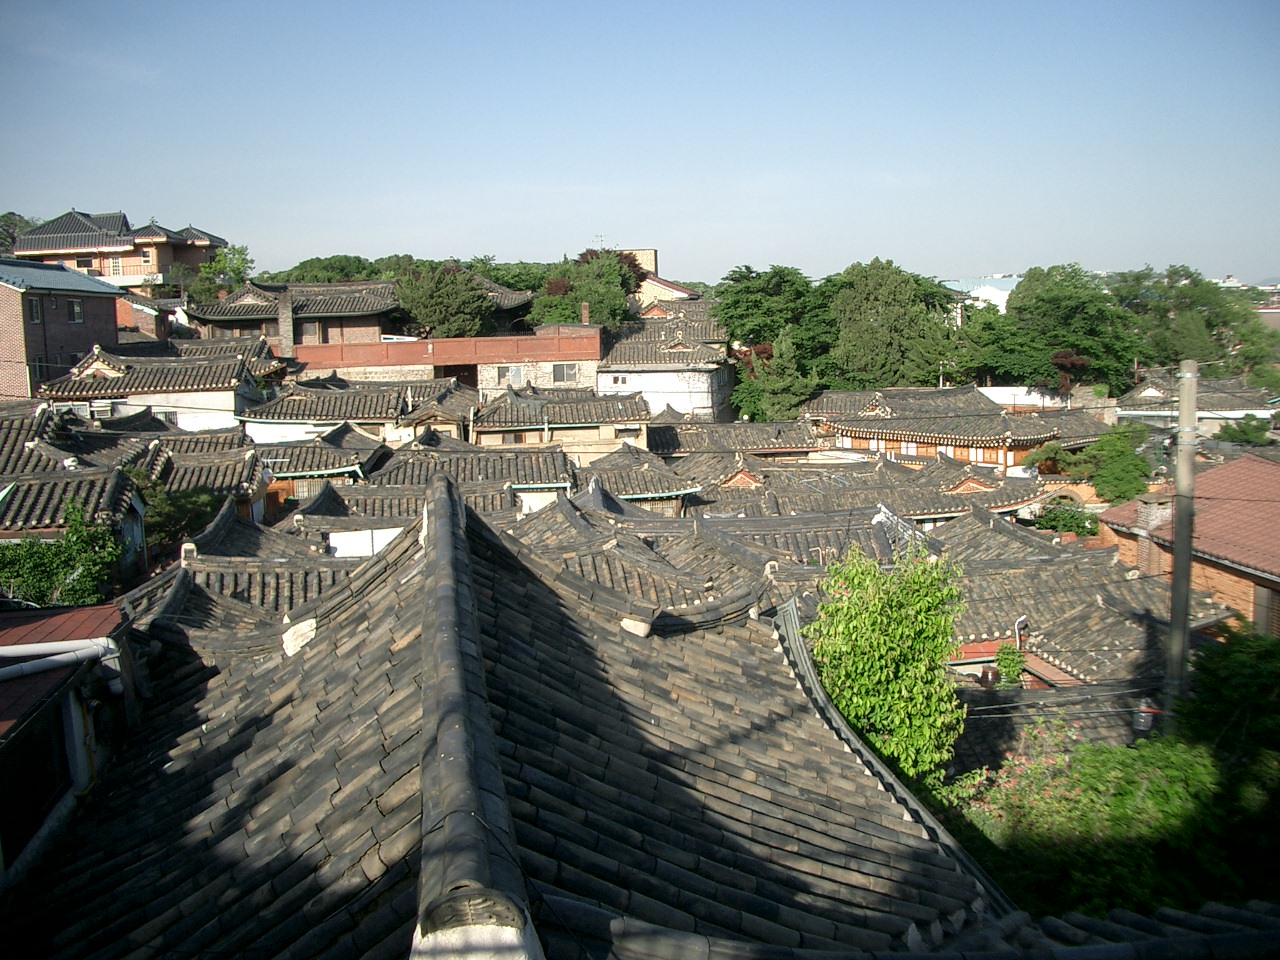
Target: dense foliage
(1113,464)
(881,643)
(602,279)
(877,325)
(172,517)
(70,571)
(1251,430)
(444,301)
(229,269)
(1010,661)
(1176,820)
(11,226)
(1067,519)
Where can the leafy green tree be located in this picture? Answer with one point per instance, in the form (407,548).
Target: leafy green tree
(1112,464)
(172,517)
(1066,519)
(13,225)
(598,278)
(881,643)
(513,276)
(1183,316)
(1070,330)
(446,301)
(774,389)
(229,269)
(333,269)
(70,571)
(892,327)
(1252,431)
(755,307)
(1010,661)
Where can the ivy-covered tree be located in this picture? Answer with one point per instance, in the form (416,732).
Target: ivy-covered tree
(70,571)
(881,643)
(445,301)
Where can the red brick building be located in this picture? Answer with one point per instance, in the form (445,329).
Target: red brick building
(52,317)
(1235,547)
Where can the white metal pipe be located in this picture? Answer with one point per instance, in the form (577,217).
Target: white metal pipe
(61,653)
(105,644)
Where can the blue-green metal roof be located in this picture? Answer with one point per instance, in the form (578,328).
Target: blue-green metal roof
(31,275)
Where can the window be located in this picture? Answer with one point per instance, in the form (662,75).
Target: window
(310,331)
(511,375)
(39,369)
(271,328)
(117,268)
(75,311)
(146,255)
(513,438)
(620,380)
(34,313)
(564,373)
(84,263)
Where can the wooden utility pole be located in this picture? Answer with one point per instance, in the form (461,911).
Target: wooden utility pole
(1184,507)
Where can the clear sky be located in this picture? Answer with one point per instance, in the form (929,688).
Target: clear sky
(955,138)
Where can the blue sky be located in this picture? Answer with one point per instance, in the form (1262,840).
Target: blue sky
(957,139)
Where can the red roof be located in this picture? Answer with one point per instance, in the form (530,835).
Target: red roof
(1237,519)
(21,695)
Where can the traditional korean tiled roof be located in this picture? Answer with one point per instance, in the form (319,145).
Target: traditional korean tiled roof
(1159,394)
(1237,514)
(633,473)
(222,472)
(543,467)
(532,407)
(39,502)
(441,400)
(53,277)
(693,315)
(1074,428)
(503,298)
(342,450)
(459,738)
(257,301)
(925,414)
(676,351)
(740,484)
(23,441)
(101,375)
(298,404)
(686,437)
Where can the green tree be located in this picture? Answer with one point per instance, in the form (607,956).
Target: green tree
(774,389)
(755,307)
(598,278)
(12,225)
(881,643)
(1062,518)
(446,301)
(229,269)
(1070,330)
(1010,661)
(71,571)
(892,327)
(172,517)
(1252,431)
(333,269)
(1112,464)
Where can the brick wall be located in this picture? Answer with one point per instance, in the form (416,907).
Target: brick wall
(13,361)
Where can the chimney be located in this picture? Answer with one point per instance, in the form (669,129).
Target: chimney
(584,309)
(284,316)
(1154,509)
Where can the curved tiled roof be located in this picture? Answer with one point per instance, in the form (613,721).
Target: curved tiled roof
(533,407)
(108,231)
(256,301)
(688,437)
(32,503)
(650,353)
(542,467)
(298,404)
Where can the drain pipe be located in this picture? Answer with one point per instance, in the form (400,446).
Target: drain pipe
(64,653)
(1017,631)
